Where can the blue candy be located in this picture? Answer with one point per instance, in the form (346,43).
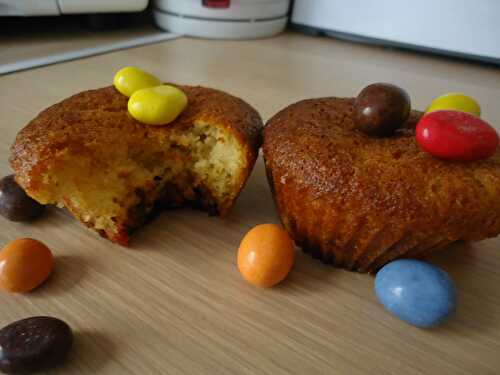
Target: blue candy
(416,292)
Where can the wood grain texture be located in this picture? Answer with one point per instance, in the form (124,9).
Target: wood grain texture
(174,303)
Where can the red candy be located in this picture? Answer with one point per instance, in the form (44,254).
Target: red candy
(454,135)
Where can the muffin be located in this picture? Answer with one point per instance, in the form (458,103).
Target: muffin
(111,172)
(359,201)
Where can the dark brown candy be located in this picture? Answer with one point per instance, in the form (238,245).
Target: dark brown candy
(381,108)
(34,344)
(15,204)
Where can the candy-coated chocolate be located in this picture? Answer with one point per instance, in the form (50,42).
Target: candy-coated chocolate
(15,204)
(416,292)
(25,263)
(266,255)
(381,108)
(131,79)
(455,135)
(455,101)
(158,105)
(34,344)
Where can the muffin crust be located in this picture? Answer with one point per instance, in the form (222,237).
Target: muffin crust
(358,201)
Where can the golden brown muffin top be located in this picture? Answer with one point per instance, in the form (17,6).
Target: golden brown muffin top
(313,148)
(101,117)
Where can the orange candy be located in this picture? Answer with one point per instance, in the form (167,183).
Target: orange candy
(25,263)
(266,255)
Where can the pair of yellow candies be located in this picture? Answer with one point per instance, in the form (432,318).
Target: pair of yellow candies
(150,101)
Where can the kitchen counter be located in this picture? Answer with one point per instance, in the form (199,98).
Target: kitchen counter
(174,303)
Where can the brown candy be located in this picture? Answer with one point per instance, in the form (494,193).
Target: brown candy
(34,344)
(381,108)
(15,204)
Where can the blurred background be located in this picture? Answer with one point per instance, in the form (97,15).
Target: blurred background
(40,32)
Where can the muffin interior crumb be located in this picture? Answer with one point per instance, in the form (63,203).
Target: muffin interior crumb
(124,183)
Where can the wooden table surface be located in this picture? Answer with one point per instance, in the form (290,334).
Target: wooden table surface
(174,303)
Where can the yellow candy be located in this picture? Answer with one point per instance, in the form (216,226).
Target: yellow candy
(157,105)
(455,101)
(130,79)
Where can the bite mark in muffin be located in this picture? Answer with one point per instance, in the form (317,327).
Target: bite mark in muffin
(89,155)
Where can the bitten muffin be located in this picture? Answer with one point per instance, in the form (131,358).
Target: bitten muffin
(359,202)
(89,155)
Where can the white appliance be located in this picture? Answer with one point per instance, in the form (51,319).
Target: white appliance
(222,19)
(28,8)
(463,28)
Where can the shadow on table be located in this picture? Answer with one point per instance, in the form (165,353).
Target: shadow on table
(478,293)
(68,271)
(91,351)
